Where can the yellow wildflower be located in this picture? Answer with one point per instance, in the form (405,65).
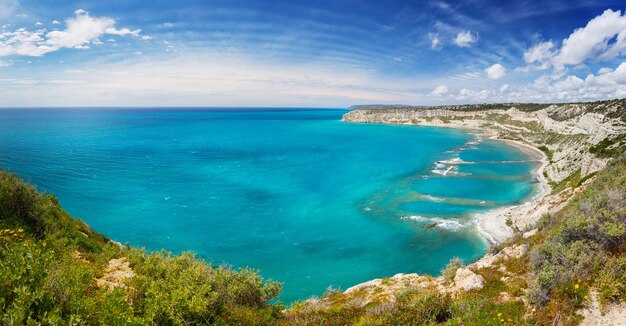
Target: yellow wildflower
(576,286)
(43,244)
(499,314)
(20,230)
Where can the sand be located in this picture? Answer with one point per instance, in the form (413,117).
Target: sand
(493,224)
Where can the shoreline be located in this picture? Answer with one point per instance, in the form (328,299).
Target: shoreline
(493,224)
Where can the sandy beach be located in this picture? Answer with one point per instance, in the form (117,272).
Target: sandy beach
(493,224)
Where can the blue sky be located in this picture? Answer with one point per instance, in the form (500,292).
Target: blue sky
(309,53)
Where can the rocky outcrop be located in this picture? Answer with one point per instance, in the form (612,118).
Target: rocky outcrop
(507,253)
(116,274)
(613,314)
(467,280)
(385,290)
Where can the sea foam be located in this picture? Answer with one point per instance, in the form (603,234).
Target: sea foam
(447,224)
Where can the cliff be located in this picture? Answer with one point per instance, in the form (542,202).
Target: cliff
(577,138)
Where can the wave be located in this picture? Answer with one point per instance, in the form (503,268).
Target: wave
(433,198)
(443,169)
(477,140)
(447,224)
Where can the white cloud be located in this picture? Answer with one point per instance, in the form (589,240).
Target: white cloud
(538,56)
(569,83)
(440,90)
(435,42)
(38,24)
(592,40)
(504,88)
(168,25)
(603,38)
(473,96)
(56,22)
(465,39)
(81,30)
(608,83)
(495,71)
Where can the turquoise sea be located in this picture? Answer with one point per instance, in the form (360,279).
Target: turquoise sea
(305,198)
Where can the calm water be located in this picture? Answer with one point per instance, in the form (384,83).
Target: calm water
(305,198)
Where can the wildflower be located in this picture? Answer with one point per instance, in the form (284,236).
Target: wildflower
(586,297)
(576,286)
(43,244)
(20,230)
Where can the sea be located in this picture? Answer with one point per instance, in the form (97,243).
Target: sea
(297,194)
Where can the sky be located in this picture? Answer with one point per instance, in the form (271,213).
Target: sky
(315,53)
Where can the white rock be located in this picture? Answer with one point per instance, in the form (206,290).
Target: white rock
(468,280)
(530,233)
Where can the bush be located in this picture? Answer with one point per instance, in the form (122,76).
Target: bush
(586,240)
(611,281)
(449,271)
(422,306)
(20,203)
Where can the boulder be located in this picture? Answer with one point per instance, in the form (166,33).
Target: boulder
(467,280)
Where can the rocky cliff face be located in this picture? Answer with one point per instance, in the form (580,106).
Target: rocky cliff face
(576,137)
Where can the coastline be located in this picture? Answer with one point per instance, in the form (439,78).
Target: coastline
(493,224)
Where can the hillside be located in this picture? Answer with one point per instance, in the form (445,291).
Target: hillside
(55,270)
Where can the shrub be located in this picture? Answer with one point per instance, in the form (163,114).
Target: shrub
(611,281)
(449,271)
(587,239)
(422,306)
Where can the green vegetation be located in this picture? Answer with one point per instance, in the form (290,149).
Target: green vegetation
(609,147)
(546,151)
(584,243)
(572,181)
(449,271)
(50,263)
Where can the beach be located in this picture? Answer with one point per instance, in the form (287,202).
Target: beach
(493,224)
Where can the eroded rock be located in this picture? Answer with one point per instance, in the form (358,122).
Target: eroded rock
(115,275)
(467,280)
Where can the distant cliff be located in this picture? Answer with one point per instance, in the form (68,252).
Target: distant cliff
(578,138)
